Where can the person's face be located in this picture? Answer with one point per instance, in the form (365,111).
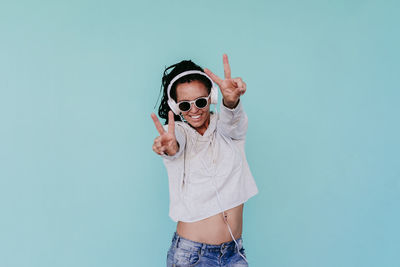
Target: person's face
(198,118)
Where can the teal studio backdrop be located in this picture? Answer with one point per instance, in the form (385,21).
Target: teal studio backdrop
(80,185)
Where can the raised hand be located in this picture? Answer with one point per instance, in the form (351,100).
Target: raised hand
(231,88)
(165,143)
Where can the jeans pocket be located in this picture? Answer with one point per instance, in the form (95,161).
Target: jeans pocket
(186,258)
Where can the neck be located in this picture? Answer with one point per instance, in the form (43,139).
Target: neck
(202,129)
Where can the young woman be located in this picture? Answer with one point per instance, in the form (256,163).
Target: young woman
(203,151)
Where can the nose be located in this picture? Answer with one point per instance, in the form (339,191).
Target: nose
(193,108)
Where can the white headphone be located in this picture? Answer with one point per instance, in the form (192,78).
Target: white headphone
(171,102)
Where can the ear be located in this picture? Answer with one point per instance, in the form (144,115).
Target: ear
(173,106)
(214,95)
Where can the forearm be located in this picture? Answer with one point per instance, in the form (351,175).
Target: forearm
(233,121)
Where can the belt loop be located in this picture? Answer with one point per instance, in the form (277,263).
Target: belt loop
(177,240)
(240,244)
(203,249)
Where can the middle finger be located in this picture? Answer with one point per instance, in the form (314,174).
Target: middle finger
(227,68)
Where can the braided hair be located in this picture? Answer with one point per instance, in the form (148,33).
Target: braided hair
(178,68)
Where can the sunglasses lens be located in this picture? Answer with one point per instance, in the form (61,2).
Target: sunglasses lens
(201,102)
(184,106)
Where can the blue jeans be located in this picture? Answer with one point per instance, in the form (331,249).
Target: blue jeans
(185,253)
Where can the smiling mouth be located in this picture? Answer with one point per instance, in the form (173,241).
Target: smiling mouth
(195,117)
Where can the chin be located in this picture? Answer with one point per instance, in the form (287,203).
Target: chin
(196,124)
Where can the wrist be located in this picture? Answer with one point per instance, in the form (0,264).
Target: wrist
(230,104)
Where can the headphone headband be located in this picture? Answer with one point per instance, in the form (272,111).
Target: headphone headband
(188,72)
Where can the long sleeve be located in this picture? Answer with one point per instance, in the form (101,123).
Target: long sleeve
(233,122)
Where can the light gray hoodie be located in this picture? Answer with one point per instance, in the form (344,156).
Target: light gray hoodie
(209,173)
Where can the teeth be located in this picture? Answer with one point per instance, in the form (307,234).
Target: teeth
(196,117)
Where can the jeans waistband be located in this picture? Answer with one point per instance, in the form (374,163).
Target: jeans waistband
(179,241)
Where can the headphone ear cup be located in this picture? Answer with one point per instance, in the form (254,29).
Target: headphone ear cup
(214,95)
(173,106)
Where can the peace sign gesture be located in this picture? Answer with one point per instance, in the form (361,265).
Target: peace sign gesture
(165,143)
(231,88)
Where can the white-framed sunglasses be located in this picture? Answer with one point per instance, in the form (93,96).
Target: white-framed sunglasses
(200,103)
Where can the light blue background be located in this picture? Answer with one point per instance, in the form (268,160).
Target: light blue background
(80,185)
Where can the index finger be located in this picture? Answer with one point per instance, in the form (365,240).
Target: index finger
(213,77)
(227,68)
(157,123)
(171,123)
